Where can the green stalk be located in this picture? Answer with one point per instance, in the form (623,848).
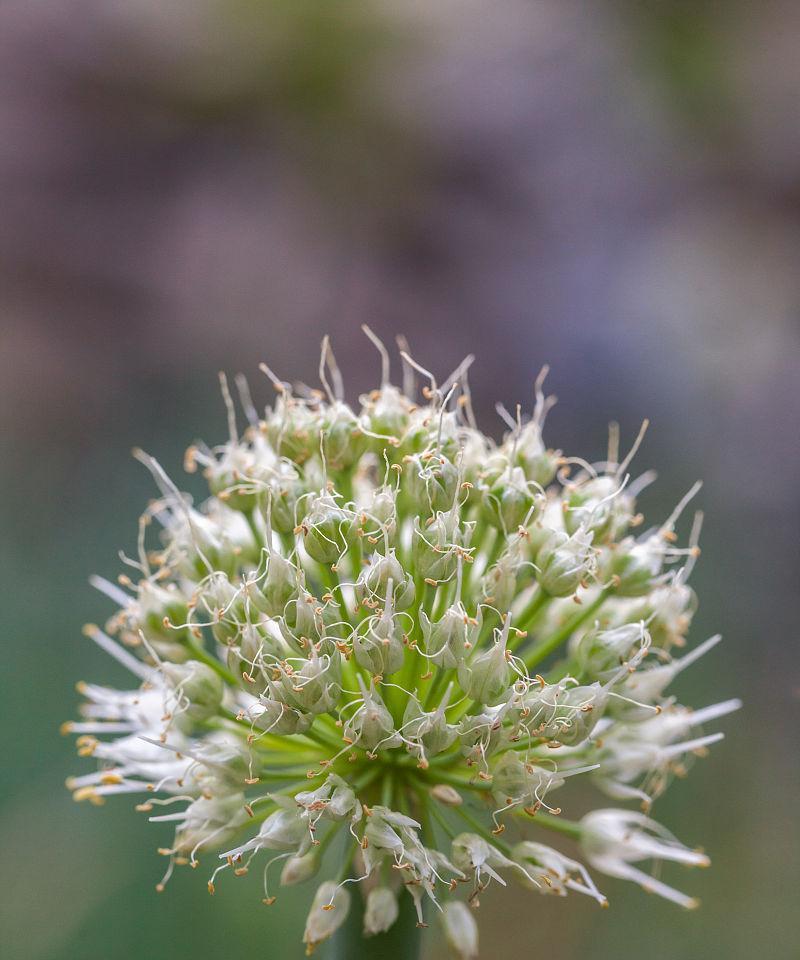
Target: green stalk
(550,644)
(441,677)
(529,616)
(201,654)
(250,517)
(569,828)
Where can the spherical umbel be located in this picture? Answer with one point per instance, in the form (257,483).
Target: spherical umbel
(384,645)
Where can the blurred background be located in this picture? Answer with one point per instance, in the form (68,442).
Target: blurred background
(201,184)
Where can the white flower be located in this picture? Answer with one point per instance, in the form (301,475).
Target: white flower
(613,840)
(344,645)
(654,748)
(549,871)
(475,855)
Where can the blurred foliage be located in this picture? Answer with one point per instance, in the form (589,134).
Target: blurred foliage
(683,44)
(195,185)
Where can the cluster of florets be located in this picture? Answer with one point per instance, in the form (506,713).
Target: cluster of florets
(386,635)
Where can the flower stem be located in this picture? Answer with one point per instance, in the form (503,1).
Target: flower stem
(545,647)
(568,827)
(528,617)
(201,654)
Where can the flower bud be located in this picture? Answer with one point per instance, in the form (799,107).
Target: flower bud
(668,611)
(635,566)
(600,505)
(219,539)
(335,799)
(510,502)
(386,412)
(599,651)
(536,536)
(208,820)
(272,592)
(449,639)
(284,829)
(197,687)
(293,428)
(314,687)
(248,656)
(564,562)
(480,462)
(284,495)
(222,765)
(374,582)
(238,476)
(433,482)
(447,795)
(523,781)
(379,648)
(299,869)
(381,911)
(569,714)
(325,530)
(539,464)
(341,437)
(435,550)
(328,912)
(275,717)
(430,730)
(460,929)
(486,677)
(376,514)
(499,585)
(226,608)
(156,609)
(371,723)
(481,734)
(303,621)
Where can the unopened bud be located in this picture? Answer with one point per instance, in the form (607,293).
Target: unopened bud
(299,869)
(486,677)
(636,565)
(600,505)
(539,463)
(197,686)
(435,548)
(387,414)
(380,912)
(325,530)
(386,579)
(447,795)
(564,562)
(379,648)
(449,639)
(433,483)
(293,429)
(510,502)
(328,912)
(341,437)
(460,929)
